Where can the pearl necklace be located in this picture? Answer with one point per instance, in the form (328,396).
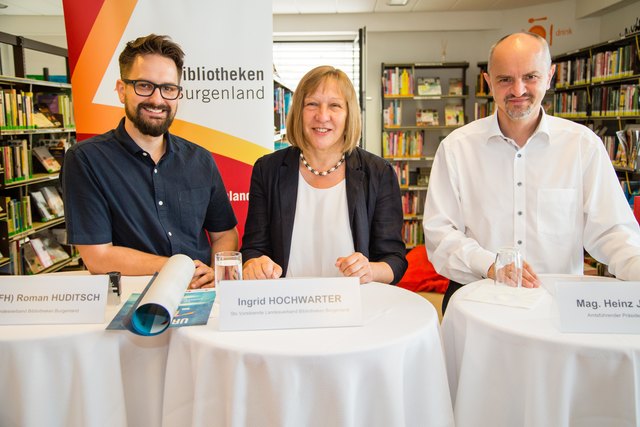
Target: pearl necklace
(319,173)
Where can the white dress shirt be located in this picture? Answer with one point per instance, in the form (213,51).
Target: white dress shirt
(552,198)
(321,231)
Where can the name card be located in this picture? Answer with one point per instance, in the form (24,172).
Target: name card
(289,303)
(599,307)
(52,299)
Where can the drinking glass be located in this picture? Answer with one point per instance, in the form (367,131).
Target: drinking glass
(508,267)
(228,266)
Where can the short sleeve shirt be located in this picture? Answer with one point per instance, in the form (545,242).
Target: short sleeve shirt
(115,193)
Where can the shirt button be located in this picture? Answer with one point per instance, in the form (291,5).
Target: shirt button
(519,242)
(519,212)
(519,184)
(169,233)
(144,154)
(161,203)
(155,171)
(519,155)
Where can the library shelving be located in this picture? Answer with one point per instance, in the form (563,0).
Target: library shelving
(421,104)
(36,127)
(281,102)
(598,86)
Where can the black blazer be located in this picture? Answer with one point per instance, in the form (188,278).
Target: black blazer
(373,199)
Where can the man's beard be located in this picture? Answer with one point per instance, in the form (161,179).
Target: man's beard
(150,128)
(519,114)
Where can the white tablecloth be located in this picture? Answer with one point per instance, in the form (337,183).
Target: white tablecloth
(512,367)
(389,372)
(81,375)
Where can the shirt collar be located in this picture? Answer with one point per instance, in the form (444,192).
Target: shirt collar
(542,131)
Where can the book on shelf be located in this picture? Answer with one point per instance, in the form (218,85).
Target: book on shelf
(392,115)
(427,117)
(455,87)
(52,246)
(42,207)
(16,158)
(54,200)
(453,115)
(46,159)
(429,86)
(397,81)
(19,217)
(35,256)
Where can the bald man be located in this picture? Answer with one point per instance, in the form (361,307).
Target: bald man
(523,179)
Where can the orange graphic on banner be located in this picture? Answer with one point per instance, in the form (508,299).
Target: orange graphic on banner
(94,59)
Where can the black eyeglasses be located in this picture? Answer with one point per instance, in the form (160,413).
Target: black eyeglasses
(146,88)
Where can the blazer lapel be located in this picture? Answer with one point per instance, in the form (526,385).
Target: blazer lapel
(288,186)
(356,200)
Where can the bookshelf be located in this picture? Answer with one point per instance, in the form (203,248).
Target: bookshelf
(281,102)
(599,87)
(34,115)
(421,104)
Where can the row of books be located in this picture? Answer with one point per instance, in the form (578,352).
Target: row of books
(44,204)
(19,218)
(401,81)
(33,255)
(281,102)
(413,202)
(413,233)
(24,110)
(608,65)
(615,101)
(614,64)
(18,163)
(571,104)
(453,115)
(392,115)
(402,144)
(573,72)
(402,172)
(397,81)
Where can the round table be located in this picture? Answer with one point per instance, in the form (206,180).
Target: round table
(81,375)
(388,372)
(510,366)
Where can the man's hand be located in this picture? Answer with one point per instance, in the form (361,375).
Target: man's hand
(261,268)
(529,277)
(202,277)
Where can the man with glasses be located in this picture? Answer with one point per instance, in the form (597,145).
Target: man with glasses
(138,194)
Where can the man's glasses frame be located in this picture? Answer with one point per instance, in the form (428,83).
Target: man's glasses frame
(146,88)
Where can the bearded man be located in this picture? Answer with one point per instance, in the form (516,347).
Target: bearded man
(137,194)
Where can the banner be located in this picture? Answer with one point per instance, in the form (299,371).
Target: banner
(227,102)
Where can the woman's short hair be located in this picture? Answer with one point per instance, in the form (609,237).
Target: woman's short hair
(307,86)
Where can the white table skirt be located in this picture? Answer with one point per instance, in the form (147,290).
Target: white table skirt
(512,367)
(81,375)
(389,372)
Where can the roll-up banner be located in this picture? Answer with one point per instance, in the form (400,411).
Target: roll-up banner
(227,102)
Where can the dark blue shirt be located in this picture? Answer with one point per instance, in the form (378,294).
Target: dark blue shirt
(115,193)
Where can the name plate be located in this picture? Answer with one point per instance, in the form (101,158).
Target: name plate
(52,299)
(289,303)
(599,307)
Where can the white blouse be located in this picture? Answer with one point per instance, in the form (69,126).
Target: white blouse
(321,231)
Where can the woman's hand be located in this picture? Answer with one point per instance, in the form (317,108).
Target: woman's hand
(261,268)
(356,265)
(202,277)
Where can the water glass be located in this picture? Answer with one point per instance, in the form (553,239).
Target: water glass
(508,267)
(228,266)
